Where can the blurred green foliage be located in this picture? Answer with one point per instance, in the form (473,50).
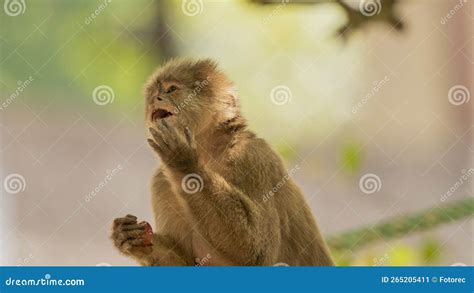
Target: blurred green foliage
(402,254)
(71,47)
(67,51)
(430,251)
(351,157)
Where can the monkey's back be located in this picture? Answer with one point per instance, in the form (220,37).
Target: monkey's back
(291,229)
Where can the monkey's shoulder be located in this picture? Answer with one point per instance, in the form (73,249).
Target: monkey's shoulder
(255,164)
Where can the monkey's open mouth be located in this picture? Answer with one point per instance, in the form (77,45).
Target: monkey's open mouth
(160,114)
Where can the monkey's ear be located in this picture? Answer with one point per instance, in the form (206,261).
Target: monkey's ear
(229,104)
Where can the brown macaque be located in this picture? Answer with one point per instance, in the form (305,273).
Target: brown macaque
(221,195)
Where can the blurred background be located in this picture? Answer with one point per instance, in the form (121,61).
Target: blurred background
(371,103)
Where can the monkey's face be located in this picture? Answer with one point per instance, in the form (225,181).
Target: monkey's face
(161,101)
(177,102)
(185,93)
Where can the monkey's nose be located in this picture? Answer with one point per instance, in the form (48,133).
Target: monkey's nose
(158,98)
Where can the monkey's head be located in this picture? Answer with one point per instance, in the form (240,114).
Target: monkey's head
(191,93)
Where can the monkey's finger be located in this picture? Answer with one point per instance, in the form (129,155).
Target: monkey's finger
(124,235)
(159,138)
(154,146)
(126,246)
(169,130)
(162,151)
(136,242)
(131,216)
(165,125)
(140,226)
(189,137)
(124,220)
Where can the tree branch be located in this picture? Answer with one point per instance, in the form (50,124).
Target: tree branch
(359,16)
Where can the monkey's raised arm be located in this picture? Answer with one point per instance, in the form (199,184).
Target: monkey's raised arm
(225,216)
(228,216)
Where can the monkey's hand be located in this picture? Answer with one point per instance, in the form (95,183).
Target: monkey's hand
(131,237)
(176,150)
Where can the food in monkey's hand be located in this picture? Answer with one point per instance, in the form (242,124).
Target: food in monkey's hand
(148,234)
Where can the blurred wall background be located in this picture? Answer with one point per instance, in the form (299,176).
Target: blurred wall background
(393,106)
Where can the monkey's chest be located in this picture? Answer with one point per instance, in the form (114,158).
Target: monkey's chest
(204,254)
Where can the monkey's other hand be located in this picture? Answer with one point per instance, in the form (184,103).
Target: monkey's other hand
(176,150)
(132,238)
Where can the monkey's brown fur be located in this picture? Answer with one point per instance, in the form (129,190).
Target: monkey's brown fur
(230,219)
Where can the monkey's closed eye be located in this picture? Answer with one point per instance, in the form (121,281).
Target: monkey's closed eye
(171,89)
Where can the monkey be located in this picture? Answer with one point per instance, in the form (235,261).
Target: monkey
(221,196)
